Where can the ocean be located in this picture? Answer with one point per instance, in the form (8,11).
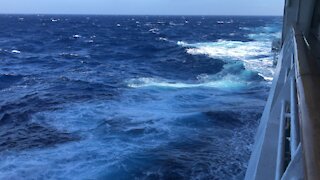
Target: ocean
(132,97)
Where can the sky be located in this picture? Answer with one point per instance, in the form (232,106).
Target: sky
(144,7)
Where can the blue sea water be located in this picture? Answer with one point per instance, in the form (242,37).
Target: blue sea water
(131,97)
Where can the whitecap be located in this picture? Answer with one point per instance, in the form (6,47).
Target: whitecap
(182,43)
(69,54)
(227,49)
(16,51)
(264,67)
(154,30)
(176,24)
(244,28)
(76,36)
(163,39)
(54,20)
(225,83)
(256,55)
(265,77)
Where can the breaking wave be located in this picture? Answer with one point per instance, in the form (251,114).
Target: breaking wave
(226,84)
(255,55)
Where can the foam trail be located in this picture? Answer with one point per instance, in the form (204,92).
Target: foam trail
(151,82)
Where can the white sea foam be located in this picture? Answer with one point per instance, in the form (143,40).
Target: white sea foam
(244,28)
(236,50)
(263,66)
(225,83)
(265,77)
(154,30)
(54,20)
(256,55)
(76,36)
(163,39)
(16,51)
(176,24)
(182,43)
(69,54)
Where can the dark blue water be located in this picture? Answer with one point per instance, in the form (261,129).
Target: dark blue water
(125,97)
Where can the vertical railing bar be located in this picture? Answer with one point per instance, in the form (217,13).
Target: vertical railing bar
(292,61)
(294,132)
(281,143)
(286,75)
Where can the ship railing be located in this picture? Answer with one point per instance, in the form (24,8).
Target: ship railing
(289,147)
(308,89)
(287,143)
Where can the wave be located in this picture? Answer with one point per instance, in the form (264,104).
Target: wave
(76,36)
(225,22)
(265,33)
(176,24)
(265,36)
(154,30)
(245,28)
(225,84)
(256,55)
(163,39)
(16,51)
(119,134)
(54,20)
(227,49)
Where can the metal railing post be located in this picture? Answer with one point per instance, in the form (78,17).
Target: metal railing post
(294,132)
(281,142)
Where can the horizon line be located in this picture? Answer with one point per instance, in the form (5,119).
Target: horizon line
(92,14)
